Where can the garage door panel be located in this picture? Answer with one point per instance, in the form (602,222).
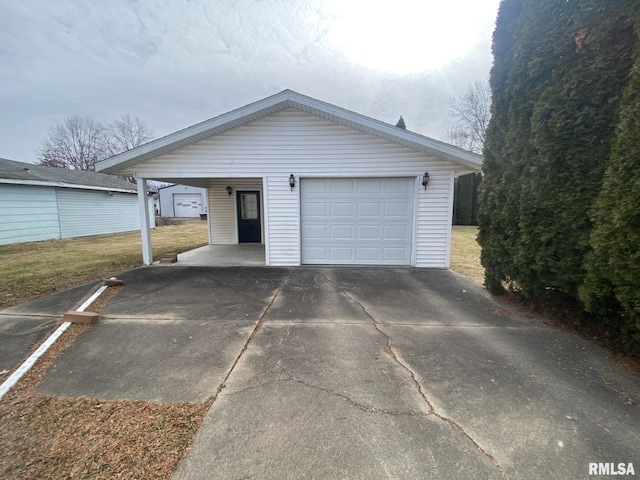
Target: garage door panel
(314,210)
(357,221)
(398,186)
(342,209)
(369,209)
(341,232)
(369,186)
(341,254)
(397,210)
(395,254)
(396,232)
(369,254)
(315,232)
(341,187)
(369,232)
(321,254)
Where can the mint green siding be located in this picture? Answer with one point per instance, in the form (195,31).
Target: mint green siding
(31,213)
(27,214)
(92,212)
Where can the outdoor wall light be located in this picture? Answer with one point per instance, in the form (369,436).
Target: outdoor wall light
(425,180)
(292,182)
(229,190)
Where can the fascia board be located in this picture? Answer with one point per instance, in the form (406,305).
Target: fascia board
(41,183)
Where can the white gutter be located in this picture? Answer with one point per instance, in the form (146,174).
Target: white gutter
(42,183)
(29,362)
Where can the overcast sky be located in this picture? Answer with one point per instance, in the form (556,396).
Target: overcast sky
(174,63)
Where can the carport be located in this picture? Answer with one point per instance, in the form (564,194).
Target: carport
(312,182)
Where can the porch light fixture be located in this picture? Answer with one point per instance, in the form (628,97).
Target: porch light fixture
(292,182)
(425,180)
(229,190)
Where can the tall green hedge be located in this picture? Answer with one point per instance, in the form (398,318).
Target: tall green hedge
(560,70)
(612,286)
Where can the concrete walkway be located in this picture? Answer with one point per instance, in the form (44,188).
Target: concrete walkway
(359,373)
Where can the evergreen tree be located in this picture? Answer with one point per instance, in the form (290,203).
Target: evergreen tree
(401,123)
(612,286)
(559,69)
(518,76)
(572,127)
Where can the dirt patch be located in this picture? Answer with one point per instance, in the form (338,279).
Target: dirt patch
(45,436)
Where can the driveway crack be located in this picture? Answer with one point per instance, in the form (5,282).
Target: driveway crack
(360,406)
(255,331)
(388,349)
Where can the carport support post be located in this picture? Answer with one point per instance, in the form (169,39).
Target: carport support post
(145,231)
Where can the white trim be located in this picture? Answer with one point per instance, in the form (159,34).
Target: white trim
(41,183)
(265,218)
(145,231)
(450,215)
(416,203)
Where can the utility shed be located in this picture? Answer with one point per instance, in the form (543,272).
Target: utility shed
(182,201)
(313,182)
(43,203)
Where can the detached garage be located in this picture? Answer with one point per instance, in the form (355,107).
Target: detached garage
(182,201)
(315,183)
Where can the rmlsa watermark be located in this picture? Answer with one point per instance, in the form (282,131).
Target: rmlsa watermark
(611,469)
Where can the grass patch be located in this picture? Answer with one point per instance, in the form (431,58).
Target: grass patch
(34,269)
(465,253)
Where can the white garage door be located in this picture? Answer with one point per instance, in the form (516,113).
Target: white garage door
(357,221)
(187,204)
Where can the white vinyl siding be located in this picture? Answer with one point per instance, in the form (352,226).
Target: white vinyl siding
(283,222)
(83,213)
(295,142)
(27,214)
(223,220)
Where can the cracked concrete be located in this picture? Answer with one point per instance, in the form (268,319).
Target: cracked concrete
(431,410)
(357,373)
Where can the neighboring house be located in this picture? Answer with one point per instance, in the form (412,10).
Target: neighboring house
(42,203)
(182,201)
(317,184)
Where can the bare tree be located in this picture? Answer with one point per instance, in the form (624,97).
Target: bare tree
(470,113)
(76,143)
(125,133)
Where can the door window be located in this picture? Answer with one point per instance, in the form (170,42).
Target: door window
(249,206)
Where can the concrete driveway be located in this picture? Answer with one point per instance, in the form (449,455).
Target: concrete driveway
(359,373)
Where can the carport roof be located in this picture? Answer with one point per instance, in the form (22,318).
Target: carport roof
(278,102)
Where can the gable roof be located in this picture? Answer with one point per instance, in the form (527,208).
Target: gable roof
(278,102)
(22,173)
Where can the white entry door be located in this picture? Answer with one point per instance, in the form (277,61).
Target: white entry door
(357,221)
